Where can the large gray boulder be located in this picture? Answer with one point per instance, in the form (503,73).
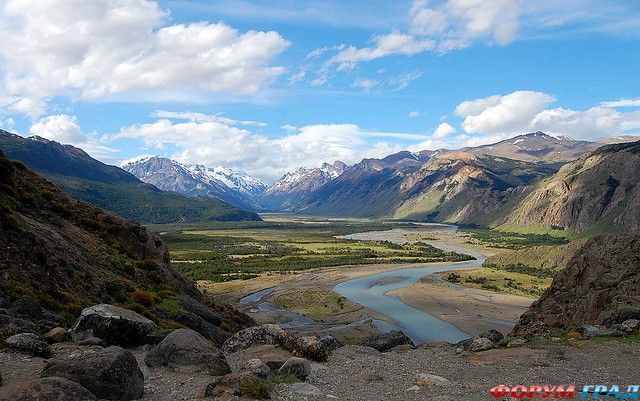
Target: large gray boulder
(267,334)
(387,341)
(109,373)
(299,367)
(184,347)
(30,343)
(114,325)
(47,389)
(317,349)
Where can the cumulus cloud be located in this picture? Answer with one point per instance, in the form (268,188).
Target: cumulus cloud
(453,25)
(96,49)
(212,142)
(622,103)
(501,116)
(64,129)
(443,130)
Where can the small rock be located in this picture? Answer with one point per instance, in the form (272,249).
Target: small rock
(305,389)
(316,349)
(479,344)
(30,343)
(47,389)
(271,334)
(227,384)
(515,342)
(114,325)
(273,356)
(387,341)
(414,388)
(56,335)
(92,342)
(110,373)
(630,325)
(427,379)
(494,335)
(299,367)
(371,377)
(185,347)
(556,353)
(256,368)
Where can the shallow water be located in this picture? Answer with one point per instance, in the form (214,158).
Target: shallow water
(371,291)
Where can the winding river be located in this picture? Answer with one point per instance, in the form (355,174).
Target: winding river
(371,291)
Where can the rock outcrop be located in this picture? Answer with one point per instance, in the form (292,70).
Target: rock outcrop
(109,373)
(599,286)
(185,347)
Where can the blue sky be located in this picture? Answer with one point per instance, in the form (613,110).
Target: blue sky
(266,87)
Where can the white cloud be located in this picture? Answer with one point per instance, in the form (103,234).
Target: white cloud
(365,83)
(60,128)
(403,80)
(201,117)
(64,129)
(96,49)
(622,103)
(297,77)
(498,117)
(394,43)
(502,114)
(414,114)
(214,142)
(443,130)
(289,128)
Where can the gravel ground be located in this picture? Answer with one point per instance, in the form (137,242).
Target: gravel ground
(362,374)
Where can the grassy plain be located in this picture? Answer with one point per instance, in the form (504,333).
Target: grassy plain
(228,251)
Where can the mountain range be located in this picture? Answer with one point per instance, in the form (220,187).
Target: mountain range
(532,182)
(194,180)
(110,187)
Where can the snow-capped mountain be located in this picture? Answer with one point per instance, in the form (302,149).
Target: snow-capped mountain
(234,187)
(307,179)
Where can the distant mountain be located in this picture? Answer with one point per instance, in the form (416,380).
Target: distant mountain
(599,192)
(366,189)
(235,188)
(294,185)
(110,187)
(460,187)
(60,255)
(537,146)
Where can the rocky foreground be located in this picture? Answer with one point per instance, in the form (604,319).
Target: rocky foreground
(267,362)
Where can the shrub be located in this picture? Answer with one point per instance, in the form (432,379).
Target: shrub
(146,298)
(255,389)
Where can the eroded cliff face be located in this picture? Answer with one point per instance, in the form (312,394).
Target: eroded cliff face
(598,192)
(599,286)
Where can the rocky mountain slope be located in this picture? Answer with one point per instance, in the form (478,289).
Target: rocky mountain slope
(110,187)
(599,286)
(235,188)
(597,193)
(537,146)
(464,188)
(60,255)
(294,185)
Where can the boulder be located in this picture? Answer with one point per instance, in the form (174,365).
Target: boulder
(272,355)
(109,373)
(589,331)
(299,367)
(256,369)
(304,389)
(47,389)
(202,326)
(271,334)
(387,341)
(56,335)
(91,342)
(114,325)
(201,310)
(228,384)
(30,343)
(316,349)
(479,344)
(185,347)
(494,335)
(630,326)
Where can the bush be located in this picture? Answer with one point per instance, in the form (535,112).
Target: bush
(146,298)
(453,278)
(255,389)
